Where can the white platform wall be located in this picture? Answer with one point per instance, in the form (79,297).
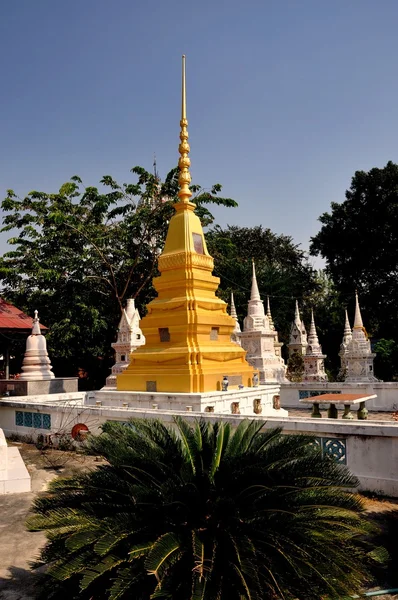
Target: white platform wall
(369,448)
(14,476)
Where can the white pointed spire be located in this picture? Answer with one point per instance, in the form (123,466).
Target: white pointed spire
(297,318)
(347,337)
(314,347)
(235,336)
(256,318)
(298,334)
(314,368)
(234,314)
(270,319)
(233,309)
(130,308)
(36,327)
(312,332)
(358,324)
(347,326)
(255,294)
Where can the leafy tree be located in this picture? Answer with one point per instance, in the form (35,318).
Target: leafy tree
(282,270)
(386,360)
(81,252)
(329,319)
(202,512)
(295,367)
(359,240)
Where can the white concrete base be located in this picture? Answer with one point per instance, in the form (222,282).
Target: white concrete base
(371,447)
(246,401)
(14,476)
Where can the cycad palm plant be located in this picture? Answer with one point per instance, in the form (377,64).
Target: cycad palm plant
(202,512)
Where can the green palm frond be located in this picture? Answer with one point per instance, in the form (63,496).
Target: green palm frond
(109,563)
(188,440)
(160,554)
(213,513)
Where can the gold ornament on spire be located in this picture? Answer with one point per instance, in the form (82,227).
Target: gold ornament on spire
(184,178)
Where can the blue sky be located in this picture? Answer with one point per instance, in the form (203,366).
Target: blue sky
(286,98)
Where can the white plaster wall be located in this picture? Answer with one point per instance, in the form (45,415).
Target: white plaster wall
(386,401)
(14,476)
(221,402)
(371,446)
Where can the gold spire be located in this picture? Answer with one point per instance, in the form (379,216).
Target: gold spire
(187,328)
(184,162)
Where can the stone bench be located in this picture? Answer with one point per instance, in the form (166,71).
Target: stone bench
(339,399)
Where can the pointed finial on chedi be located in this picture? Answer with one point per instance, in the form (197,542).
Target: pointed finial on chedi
(314,368)
(347,337)
(235,336)
(358,323)
(298,334)
(255,294)
(36,364)
(184,162)
(270,319)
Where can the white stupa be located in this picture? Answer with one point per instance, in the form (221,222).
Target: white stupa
(314,368)
(36,364)
(129,337)
(355,351)
(347,337)
(260,339)
(298,335)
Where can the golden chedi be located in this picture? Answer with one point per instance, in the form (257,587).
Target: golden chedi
(188,331)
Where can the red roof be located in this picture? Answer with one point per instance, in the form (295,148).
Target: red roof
(13,318)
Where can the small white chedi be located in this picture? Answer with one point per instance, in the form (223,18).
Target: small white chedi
(260,339)
(36,364)
(129,337)
(235,336)
(314,367)
(298,335)
(355,351)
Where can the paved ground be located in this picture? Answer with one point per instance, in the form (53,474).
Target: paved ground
(19,547)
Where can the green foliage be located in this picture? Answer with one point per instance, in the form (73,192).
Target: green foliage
(80,253)
(359,240)
(328,307)
(386,361)
(295,367)
(203,512)
(282,270)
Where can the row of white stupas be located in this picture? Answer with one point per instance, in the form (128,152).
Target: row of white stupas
(260,340)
